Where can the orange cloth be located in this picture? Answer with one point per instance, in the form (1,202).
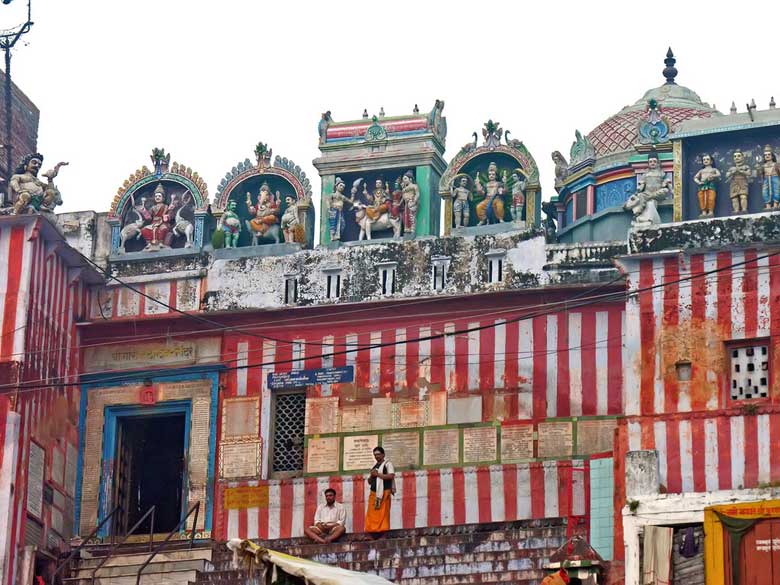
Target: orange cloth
(378,519)
(559,578)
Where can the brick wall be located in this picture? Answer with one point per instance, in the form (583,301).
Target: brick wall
(24,131)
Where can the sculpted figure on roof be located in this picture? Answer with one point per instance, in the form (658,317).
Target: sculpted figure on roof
(28,193)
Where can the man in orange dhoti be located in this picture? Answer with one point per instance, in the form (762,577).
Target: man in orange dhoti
(382,482)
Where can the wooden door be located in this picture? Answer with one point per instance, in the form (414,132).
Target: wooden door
(760,554)
(123,470)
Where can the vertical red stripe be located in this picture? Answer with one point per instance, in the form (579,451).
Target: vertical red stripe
(537,490)
(434,497)
(483,494)
(774,454)
(751,451)
(362,365)
(540,366)
(750,292)
(173,295)
(615,361)
(588,367)
(254,375)
(437,360)
(564,488)
(459,496)
(286,498)
(510,366)
(487,358)
(412,360)
(698,285)
(673,469)
(698,455)
(387,362)
(647,337)
(510,492)
(671,319)
(262,522)
(409,499)
(774,326)
(648,435)
(242,523)
(724,453)
(358,503)
(311,499)
(562,359)
(14,279)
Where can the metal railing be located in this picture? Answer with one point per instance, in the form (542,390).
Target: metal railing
(106,558)
(195,508)
(86,540)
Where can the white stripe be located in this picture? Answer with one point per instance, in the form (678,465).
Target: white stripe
(711,315)
(552,365)
(763,296)
(550,489)
(711,455)
(375,361)
(575,364)
(762,421)
(474,357)
(634,436)
(421,508)
(684,312)
(686,456)
(471,493)
(659,397)
(400,360)
(449,357)
(523,492)
(396,509)
(298,503)
(252,523)
(659,430)
(602,362)
(499,353)
(424,351)
(351,341)
(347,498)
(630,379)
(578,487)
(737,452)
(525,369)
(269,351)
(5,243)
(7,477)
(447,513)
(232,527)
(327,362)
(737,296)
(274,505)
(298,353)
(242,355)
(497,511)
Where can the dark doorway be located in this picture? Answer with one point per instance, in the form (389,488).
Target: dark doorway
(149,471)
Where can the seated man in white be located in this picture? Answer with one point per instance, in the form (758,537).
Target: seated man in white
(329,520)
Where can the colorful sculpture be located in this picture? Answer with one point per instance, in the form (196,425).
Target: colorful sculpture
(336,210)
(411,198)
(769,173)
(461,198)
(518,196)
(230,224)
(372,214)
(265,223)
(291,224)
(156,218)
(652,187)
(181,226)
(707,179)
(491,208)
(738,177)
(28,193)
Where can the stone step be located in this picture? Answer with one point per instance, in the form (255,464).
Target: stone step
(138,558)
(181,577)
(153,567)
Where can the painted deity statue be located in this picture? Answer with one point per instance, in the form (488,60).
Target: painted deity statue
(769,173)
(411,196)
(461,197)
(738,178)
(380,200)
(291,224)
(336,210)
(265,212)
(518,196)
(491,208)
(157,220)
(707,179)
(28,193)
(230,224)
(653,187)
(397,204)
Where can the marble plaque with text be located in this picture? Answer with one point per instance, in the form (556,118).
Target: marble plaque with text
(403,449)
(240,418)
(555,439)
(322,415)
(355,418)
(359,452)
(382,413)
(410,413)
(480,444)
(595,436)
(464,410)
(322,455)
(441,447)
(239,460)
(517,443)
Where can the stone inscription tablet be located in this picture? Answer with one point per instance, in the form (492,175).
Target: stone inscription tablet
(322,415)
(480,444)
(322,455)
(403,449)
(409,413)
(356,418)
(240,419)
(239,460)
(555,439)
(437,409)
(359,452)
(595,436)
(441,447)
(517,443)
(382,413)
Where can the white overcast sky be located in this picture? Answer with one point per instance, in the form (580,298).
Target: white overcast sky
(207,80)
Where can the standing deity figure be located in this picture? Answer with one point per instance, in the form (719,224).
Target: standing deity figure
(706,179)
(461,196)
(769,173)
(411,196)
(28,192)
(230,224)
(157,218)
(491,208)
(336,210)
(397,204)
(518,196)
(291,225)
(738,178)
(265,212)
(380,200)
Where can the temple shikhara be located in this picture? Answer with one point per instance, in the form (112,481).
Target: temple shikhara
(573,377)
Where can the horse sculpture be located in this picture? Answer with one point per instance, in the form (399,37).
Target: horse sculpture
(384,222)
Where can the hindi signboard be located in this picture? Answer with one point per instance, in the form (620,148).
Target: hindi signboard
(359,452)
(303,378)
(322,455)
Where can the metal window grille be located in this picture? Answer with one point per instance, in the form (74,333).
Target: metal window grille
(290,290)
(388,281)
(750,372)
(496,269)
(289,421)
(333,286)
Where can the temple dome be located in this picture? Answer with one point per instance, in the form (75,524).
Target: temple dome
(677,103)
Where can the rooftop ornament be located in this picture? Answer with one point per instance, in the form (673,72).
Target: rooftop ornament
(654,129)
(670,71)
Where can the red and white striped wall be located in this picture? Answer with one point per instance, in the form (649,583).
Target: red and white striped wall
(435,497)
(736,298)
(121,302)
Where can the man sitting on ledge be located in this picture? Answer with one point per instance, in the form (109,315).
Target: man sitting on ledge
(329,520)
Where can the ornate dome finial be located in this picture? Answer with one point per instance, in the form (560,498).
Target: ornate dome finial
(670,71)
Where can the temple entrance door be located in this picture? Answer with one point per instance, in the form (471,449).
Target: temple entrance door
(149,470)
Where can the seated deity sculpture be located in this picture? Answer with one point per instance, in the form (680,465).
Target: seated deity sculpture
(654,186)
(28,193)
(265,220)
(373,213)
(156,224)
(491,208)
